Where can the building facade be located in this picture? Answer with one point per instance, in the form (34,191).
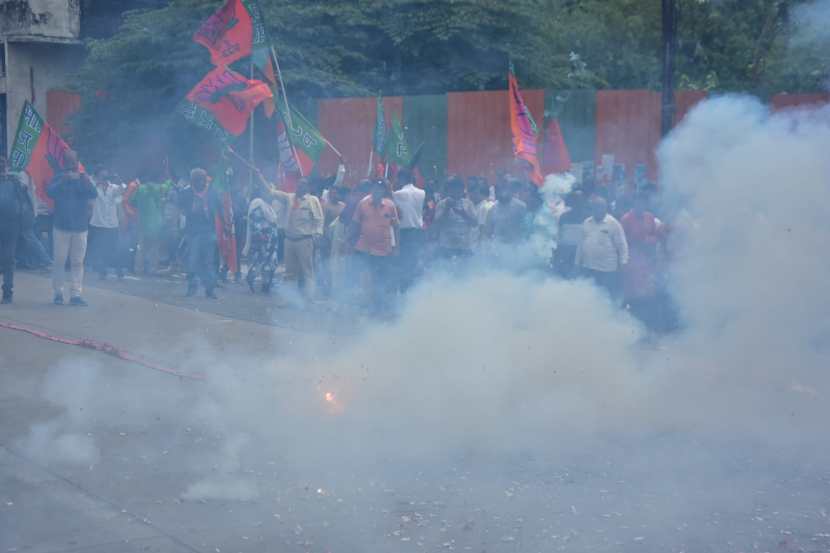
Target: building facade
(40,48)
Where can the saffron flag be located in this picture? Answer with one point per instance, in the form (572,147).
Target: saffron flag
(555,156)
(223,101)
(38,150)
(524,129)
(221,184)
(235,31)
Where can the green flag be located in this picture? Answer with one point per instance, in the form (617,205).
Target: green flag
(380,129)
(397,149)
(307,141)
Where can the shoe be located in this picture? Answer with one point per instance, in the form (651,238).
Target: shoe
(211,295)
(78,301)
(7,299)
(58,299)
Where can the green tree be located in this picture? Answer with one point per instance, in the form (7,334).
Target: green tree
(133,80)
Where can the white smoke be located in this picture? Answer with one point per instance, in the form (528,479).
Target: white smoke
(528,411)
(749,276)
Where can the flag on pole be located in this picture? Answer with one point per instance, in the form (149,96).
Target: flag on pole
(234,31)
(555,156)
(397,149)
(38,150)
(524,129)
(379,139)
(303,138)
(223,101)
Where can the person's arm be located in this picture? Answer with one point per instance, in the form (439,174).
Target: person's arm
(468,213)
(317,214)
(341,174)
(54,188)
(88,188)
(621,244)
(282,197)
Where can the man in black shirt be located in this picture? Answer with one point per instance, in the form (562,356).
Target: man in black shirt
(200,206)
(72,192)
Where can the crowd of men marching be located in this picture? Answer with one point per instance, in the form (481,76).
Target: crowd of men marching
(367,243)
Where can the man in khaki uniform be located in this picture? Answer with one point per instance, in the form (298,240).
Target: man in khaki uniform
(303,228)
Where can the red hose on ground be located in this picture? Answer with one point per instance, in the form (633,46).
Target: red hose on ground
(102,347)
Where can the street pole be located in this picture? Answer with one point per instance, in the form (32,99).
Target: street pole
(251,140)
(667,107)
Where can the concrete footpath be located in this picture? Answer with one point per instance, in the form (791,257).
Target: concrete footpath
(46,509)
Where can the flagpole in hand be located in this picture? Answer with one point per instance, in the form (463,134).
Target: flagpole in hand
(287,107)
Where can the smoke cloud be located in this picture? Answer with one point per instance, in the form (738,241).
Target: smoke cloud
(513,412)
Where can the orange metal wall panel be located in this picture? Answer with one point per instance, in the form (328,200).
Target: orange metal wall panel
(684,101)
(784,101)
(478,128)
(628,126)
(349,124)
(60,105)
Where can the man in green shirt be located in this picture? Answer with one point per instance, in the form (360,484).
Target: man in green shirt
(148,200)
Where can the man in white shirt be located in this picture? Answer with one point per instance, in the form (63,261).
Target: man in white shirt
(603,250)
(409,200)
(103,226)
(303,228)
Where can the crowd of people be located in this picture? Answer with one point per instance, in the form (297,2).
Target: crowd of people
(365,244)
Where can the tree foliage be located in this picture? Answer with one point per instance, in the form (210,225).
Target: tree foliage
(133,79)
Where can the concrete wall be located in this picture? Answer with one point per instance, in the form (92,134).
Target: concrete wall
(47,19)
(38,67)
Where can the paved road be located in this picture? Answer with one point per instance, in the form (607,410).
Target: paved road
(99,455)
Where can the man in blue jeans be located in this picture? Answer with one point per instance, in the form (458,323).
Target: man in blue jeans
(200,207)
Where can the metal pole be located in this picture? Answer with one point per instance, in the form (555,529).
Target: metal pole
(251,140)
(287,108)
(667,106)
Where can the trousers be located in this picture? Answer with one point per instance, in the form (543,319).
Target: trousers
(73,246)
(201,260)
(299,263)
(8,253)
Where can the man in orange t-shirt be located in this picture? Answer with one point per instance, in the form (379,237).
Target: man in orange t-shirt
(375,228)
